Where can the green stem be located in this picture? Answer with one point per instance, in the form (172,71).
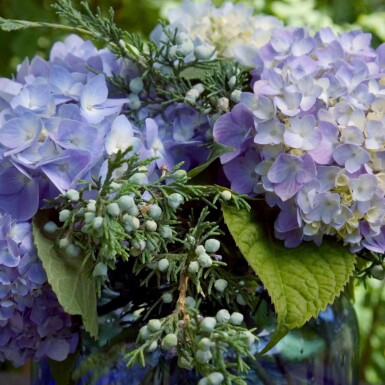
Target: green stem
(37,24)
(262,375)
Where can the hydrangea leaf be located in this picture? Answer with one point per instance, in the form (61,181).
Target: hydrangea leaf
(217,150)
(301,281)
(70,278)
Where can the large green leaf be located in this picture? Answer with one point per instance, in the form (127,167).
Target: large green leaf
(71,278)
(301,281)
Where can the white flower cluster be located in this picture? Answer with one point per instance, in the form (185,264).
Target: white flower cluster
(231,30)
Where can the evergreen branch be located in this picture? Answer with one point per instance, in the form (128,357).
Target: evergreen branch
(101,28)
(181,303)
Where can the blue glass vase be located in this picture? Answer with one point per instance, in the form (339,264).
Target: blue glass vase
(323,352)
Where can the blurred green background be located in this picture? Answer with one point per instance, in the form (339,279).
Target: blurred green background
(142,15)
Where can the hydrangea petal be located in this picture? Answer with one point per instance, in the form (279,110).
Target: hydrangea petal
(233,128)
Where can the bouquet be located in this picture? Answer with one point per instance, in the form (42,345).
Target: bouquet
(152,192)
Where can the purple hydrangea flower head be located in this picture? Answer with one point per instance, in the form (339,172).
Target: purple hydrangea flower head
(32,323)
(318,106)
